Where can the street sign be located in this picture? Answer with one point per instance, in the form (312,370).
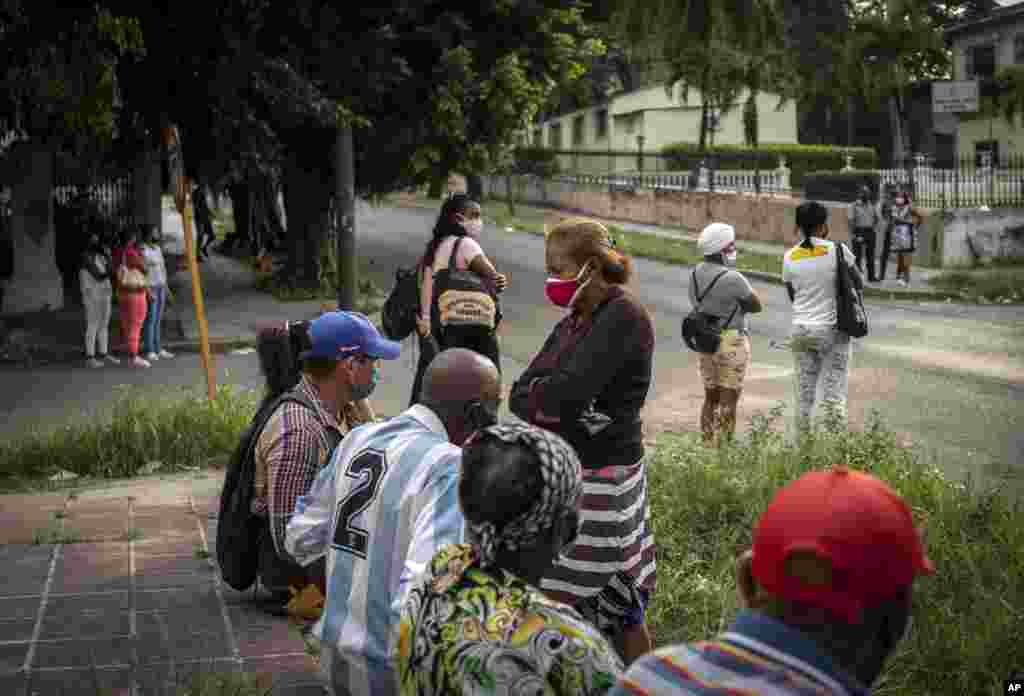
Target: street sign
(954,96)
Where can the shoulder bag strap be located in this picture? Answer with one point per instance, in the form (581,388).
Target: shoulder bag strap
(700,298)
(451,257)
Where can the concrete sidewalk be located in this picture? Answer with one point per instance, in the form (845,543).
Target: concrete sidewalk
(117,589)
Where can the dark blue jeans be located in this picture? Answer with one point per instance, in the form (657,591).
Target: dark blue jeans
(154,315)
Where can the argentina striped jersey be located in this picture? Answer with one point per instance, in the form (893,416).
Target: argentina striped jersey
(380,510)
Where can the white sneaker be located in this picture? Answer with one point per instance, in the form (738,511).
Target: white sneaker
(902,283)
(112,360)
(152,357)
(165,354)
(139,362)
(93,362)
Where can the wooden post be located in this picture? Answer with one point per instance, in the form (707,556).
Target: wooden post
(184,200)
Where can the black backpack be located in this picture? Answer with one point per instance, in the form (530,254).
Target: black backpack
(398,315)
(238,530)
(701,331)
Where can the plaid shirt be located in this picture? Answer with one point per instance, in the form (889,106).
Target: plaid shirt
(291,451)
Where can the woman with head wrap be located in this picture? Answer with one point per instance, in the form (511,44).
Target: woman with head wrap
(477,621)
(822,352)
(724,293)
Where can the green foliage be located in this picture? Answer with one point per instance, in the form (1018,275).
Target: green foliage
(534,161)
(181,431)
(999,285)
(800,159)
(965,635)
(840,186)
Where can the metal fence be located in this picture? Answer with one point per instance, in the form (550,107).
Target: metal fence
(968,183)
(110,196)
(772,182)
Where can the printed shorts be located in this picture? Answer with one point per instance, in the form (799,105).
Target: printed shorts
(727,367)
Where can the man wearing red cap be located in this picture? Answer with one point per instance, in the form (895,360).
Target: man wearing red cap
(826,592)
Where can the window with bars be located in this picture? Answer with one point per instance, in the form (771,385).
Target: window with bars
(601,124)
(555,136)
(577,130)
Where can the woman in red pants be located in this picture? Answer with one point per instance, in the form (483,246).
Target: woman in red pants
(131,299)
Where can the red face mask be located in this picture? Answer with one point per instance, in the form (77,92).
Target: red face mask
(563,292)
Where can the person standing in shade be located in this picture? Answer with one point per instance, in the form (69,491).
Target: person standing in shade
(97,295)
(826,595)
(131,300)
(519,491)
(822,351)
(725,294)
(459,222)
(156,298)
(863,218)
(885,207)
(589,383)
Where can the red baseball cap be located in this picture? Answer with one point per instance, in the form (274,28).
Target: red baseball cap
(852,521)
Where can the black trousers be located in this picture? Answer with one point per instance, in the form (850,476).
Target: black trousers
(886,249)
(430,346)
(483,342)
(864,250)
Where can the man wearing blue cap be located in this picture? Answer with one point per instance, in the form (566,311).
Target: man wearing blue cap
(340,368)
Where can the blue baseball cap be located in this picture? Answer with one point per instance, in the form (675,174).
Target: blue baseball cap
(339,335)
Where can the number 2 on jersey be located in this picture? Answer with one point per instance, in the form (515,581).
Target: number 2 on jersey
(368,469)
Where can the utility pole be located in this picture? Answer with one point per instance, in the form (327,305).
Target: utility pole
(345,196)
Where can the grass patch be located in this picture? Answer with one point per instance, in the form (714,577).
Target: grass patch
(182,431)
(1000,284)
(967,618)
(224,684)
(201,553)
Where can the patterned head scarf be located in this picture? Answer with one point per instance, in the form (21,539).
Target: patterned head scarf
(562,486)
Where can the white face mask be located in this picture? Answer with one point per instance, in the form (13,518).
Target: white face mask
(730,258)
(473,227)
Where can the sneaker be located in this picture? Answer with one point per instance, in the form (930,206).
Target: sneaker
(902,283)
(93,362)
(140,362)
(165,354)
(112,360)
(152,357)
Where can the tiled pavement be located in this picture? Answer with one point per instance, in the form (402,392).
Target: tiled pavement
(115,591)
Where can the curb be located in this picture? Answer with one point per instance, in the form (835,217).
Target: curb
(218,345)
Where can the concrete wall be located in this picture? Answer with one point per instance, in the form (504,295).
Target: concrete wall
(763,218)
(989,234)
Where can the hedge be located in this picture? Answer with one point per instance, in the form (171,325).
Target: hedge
(801,159)
(840,186)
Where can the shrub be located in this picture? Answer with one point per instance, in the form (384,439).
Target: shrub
(180,431)
(967,617)
(840,186)
(800,159)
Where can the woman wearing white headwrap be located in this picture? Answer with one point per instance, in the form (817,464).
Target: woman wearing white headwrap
(477,622)
(721,291)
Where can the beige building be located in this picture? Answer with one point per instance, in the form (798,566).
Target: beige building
(981,49)
(649,119)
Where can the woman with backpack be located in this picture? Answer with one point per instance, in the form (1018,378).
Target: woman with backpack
(97,295)
(454,246)
(718,290)
(821,350)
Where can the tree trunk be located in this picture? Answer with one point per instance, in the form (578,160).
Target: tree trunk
(511,196)
(239,193)
(345,199)
(307,205)
(475,187)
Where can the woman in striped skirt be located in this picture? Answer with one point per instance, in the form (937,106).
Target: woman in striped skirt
(589,383)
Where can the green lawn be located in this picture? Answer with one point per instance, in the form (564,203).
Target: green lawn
(999,284)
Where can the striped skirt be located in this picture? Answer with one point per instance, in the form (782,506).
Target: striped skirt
(610,571)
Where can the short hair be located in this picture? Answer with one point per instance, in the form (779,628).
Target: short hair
(499,482)
(586,239)
(319,368)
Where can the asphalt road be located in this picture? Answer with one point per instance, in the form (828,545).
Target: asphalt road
(949,378)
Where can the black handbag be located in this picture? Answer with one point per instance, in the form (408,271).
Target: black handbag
(463,298)
(851,317)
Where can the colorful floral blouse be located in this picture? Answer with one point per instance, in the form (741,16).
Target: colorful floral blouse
(465,630)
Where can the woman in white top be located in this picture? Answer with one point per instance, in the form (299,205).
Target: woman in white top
(822,352)
(94,278)
(460,219)
(156,279)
